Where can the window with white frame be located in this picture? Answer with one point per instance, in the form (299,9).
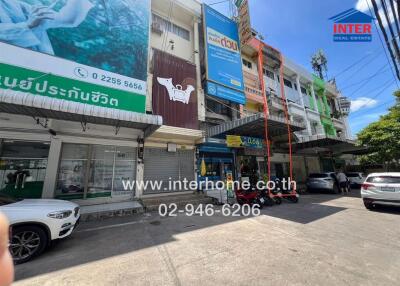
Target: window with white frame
(269,74)
(247,64)
(287,82)
(166,25)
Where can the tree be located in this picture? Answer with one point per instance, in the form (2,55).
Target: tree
(383,138)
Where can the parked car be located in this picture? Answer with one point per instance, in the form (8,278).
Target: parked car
(356,179)
(323,181)
(381,189)
(36,222)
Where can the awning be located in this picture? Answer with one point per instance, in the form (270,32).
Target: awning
(253,126)
(16,102)
(331,143)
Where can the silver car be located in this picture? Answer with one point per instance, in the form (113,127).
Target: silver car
(322,181)
(381,189)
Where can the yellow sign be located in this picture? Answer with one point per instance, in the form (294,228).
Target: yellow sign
(203,169)
(234,141)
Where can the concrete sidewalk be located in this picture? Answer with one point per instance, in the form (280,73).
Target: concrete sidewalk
(323,240)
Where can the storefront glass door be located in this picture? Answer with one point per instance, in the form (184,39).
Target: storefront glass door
(23,168)
(93,171)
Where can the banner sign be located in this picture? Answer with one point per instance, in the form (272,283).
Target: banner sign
(174,90)
(244,22)
(224,62)
(92,52)
(234,141)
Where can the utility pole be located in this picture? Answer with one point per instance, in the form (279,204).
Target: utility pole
(319,63)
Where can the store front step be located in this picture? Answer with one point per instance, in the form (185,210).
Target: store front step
(152,203)
(98,212)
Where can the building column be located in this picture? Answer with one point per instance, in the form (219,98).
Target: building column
(139,178)
(196,55)
(314,98)
(302,104)
(50,180)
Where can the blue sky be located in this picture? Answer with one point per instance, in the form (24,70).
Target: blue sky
(299,30)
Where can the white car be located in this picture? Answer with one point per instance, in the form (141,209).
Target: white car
(381,189)
(36,222)
(355,178)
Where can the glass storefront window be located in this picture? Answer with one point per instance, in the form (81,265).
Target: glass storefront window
(125,167)
(101,171)
(23,168)
(108,167)
(72,170)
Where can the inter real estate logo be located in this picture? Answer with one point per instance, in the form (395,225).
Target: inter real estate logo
(352,26)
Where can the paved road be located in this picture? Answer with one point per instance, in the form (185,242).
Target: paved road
(323,240)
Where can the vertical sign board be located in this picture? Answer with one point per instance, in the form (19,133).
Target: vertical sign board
(244,22)
(223,60)
(174,90)
(89,52)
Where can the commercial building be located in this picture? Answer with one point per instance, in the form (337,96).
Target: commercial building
(72,102)
(86,107)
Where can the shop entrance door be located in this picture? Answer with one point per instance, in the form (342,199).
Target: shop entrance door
(23,168)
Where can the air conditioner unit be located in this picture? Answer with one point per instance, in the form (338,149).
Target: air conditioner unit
(156,28)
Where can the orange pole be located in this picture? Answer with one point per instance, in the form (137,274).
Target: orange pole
(265,108)
(285,108)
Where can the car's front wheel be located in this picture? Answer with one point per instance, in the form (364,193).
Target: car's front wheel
(27,242)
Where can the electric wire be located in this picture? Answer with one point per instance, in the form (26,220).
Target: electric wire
(381,71)
(386,39)
(356,63)
(384,87)
(395,18)
(389,23)
(362,86)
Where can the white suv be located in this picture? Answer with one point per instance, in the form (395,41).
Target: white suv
(36,222)
(381,188)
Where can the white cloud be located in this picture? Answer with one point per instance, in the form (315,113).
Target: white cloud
(363,7)
(362,103)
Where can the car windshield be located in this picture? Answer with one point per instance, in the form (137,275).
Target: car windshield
(318,175)
(384,180)
(6,200)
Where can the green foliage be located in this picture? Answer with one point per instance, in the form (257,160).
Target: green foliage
(383,137)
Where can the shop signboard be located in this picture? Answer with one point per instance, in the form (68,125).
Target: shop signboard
(244,22)
(224,73)
(174,90)
(234,141)
(91,52)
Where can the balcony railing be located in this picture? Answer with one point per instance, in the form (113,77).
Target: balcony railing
(252,87)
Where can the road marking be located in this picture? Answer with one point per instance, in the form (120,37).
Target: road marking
(111,226)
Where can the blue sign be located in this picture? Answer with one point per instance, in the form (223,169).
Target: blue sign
(221,91)
(224,63)
(352,26)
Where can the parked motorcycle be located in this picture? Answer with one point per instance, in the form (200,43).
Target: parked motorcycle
(250,197)
(267,198)
(276,195)
(287,193)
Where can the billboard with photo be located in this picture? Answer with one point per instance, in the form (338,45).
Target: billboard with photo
(87,51)
(223,60)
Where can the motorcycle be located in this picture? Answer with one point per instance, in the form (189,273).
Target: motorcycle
(250,197)
(286,193)
(276,195)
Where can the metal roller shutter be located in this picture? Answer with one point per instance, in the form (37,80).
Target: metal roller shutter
(164,166)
